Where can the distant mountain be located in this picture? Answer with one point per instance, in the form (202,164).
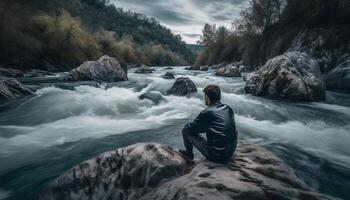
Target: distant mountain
(65,33)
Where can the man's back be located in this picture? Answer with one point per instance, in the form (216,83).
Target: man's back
(217,122)
(221,131)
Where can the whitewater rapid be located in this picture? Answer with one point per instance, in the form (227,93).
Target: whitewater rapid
(61,121)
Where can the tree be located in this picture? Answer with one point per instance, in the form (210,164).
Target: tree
(260,15)
(208,36)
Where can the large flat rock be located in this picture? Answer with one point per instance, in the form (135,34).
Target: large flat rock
(153,171)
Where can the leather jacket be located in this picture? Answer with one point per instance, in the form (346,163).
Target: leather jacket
(218,123)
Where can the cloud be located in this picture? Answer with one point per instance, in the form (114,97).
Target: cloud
(187,17)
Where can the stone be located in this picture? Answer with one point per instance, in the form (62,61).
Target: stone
(182,86)
(153,171)
(193,67)
(156,98)
(168,75)
(120,174)
(105,69)
(10,88)
(292,76)
(217,66)
(144,70)
(230,70)
(37,73)
(11,73)
(204,68)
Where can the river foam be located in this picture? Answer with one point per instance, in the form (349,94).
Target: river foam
(64,121)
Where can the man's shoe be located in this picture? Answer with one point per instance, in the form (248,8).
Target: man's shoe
(187,156)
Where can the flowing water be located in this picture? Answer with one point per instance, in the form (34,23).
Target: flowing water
(65,123)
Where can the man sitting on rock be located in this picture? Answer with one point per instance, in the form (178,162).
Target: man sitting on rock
(217,123)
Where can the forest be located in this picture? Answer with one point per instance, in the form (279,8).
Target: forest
(269,27)
(61,34)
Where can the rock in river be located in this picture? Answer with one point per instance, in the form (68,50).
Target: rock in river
(144,70)
(104,69)
(10,88)
(292,76)
(156,98)
(9,72)
(193,67)
(204,68)
(153,171)
(183,86)
(168,75)
(230,70)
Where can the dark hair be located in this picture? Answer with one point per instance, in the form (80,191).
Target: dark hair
(213,92)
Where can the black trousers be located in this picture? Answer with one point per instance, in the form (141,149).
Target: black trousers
(197,141)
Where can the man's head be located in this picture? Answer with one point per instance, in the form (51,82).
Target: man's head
(212,94)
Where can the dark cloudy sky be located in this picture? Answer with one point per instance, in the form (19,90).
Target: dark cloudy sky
(187,17)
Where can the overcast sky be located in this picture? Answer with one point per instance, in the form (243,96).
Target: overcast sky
(187,17)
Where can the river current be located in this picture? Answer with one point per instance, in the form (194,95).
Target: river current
(65,123)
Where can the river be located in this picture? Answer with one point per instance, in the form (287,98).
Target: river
(65,123)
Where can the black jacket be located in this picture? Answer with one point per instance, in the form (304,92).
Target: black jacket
(217,122)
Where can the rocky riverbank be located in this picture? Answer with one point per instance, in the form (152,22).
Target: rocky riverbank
(154,171)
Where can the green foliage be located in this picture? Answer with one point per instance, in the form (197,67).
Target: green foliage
(160,56)
(219,45)
(64,40)
(65,33)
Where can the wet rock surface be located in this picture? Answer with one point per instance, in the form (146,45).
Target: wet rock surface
(291,76)
(231,70)
(11,73)
(144,70)
(204,68)
(182,86)
(168,75)
(156,98)
(193,67)
(154,171)
(106,69)
(10,88)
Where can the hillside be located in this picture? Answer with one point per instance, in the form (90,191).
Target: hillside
(317,27)
(63,34)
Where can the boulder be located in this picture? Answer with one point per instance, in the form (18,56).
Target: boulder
(339,77)
(193,67)
(10,88)
(291,76)
(182,86)
(168,75)
(125,173)
(230,70)
(104,69)
(153,171)
(217,66)
(144,70)
(38,73)
(168,68)
(204,68)
(156,98)
(11,73)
